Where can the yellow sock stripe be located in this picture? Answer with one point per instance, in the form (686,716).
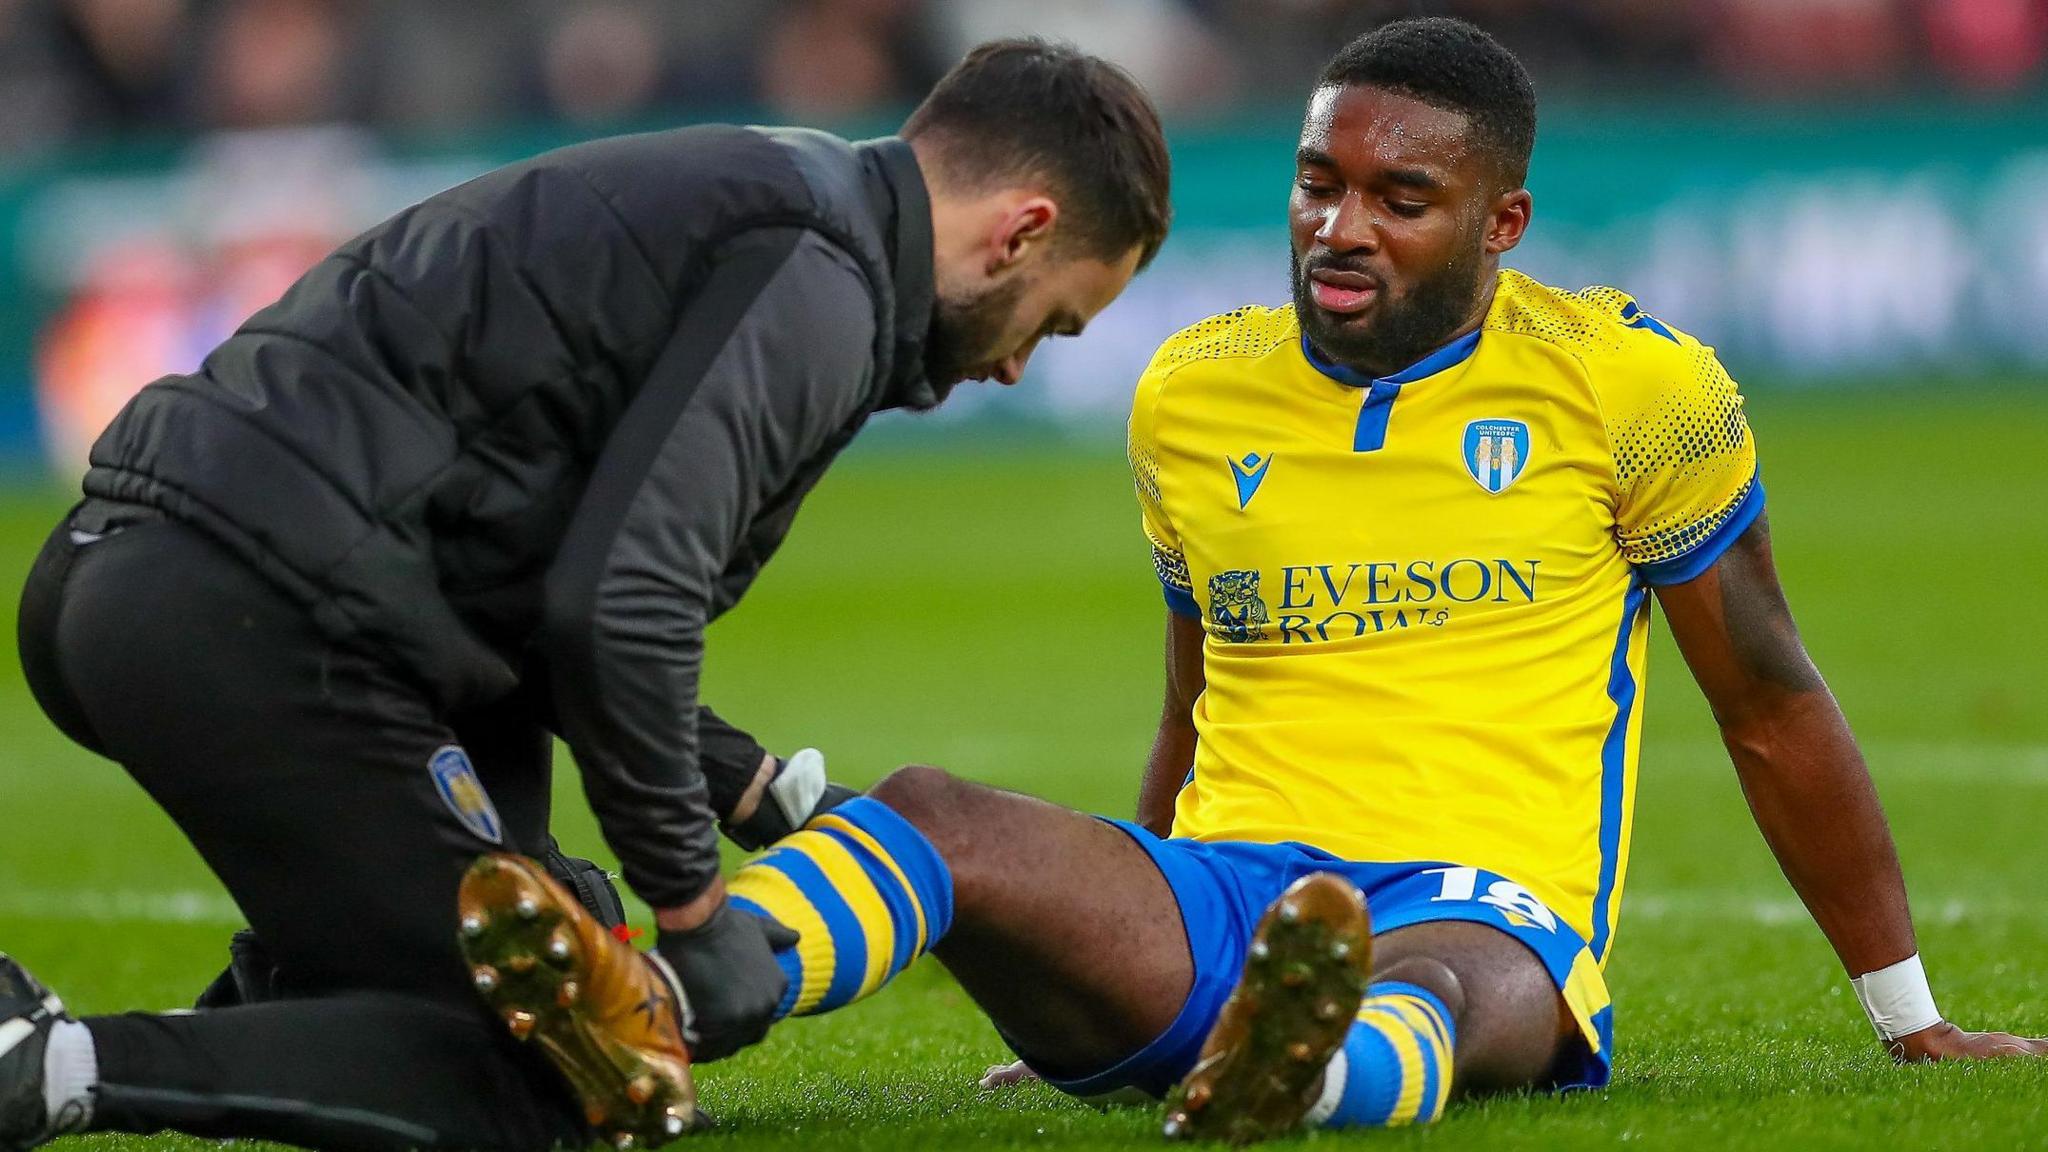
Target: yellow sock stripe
(766,885)
(1409,1103)
(1422,1018)
(1417,1015)
(851,881)
(1437,1027)
(860,836)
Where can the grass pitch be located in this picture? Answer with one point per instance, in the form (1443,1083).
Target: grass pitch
(991,609)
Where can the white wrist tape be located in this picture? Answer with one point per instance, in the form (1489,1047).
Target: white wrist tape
(797,789)
(1897,998)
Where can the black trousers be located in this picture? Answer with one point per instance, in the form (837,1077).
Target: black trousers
(301,773)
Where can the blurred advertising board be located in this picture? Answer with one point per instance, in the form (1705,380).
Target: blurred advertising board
(1839,248)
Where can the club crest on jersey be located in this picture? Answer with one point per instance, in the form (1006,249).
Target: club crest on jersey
(1235,607)
(1496,452)
(455,779)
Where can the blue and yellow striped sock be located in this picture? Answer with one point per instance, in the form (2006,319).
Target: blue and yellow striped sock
(1395,1066)
(866,892)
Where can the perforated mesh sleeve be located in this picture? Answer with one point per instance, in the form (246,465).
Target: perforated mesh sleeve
(1685,465)
(1685,462)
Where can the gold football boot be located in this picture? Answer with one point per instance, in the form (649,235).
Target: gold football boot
(1306,975)
(608,1016)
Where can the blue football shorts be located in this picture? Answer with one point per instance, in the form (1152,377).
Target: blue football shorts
(1224,887)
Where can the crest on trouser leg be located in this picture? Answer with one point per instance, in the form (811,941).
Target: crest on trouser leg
(455,779)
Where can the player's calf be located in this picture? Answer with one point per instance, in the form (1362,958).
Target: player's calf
(866,893)
(1052,921)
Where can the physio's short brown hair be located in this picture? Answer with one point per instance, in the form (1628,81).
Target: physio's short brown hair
(1033,109)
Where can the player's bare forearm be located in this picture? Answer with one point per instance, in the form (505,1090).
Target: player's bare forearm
(1814,801)
(1807,784)
(1799,765)
(1173,748)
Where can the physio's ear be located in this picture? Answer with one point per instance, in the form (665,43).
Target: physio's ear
(1023,228)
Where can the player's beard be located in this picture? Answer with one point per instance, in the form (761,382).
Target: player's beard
(966,332)
(1399,330)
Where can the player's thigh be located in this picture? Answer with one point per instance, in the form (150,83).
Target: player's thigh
(1064,930)
(1514,1026)
(304,774)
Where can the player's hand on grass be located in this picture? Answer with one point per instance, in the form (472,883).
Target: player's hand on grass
(1005,1075)
(1945,1041)
(729,974)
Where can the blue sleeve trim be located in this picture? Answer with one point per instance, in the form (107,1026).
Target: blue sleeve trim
(1690,565)
(1181,602)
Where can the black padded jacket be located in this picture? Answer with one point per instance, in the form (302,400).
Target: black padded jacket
(550,423)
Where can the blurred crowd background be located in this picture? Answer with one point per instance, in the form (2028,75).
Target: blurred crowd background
(76,69)
(1834,192)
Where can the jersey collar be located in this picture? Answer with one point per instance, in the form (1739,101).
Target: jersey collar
(1449,356)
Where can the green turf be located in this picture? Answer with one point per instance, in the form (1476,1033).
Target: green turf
(991,609)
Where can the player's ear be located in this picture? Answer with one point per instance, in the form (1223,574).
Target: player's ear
(1509,220)
(1025,227)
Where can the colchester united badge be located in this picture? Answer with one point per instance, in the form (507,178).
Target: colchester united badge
(1496,452)
(455,779)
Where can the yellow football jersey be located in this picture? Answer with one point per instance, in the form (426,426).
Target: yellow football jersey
(1425,595)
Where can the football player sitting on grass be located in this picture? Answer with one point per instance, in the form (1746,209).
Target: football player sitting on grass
(1408,531)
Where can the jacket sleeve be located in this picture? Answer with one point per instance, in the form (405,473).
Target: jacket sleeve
(730,759)
(771,357)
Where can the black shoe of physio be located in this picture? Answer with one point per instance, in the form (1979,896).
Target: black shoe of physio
(27,1012)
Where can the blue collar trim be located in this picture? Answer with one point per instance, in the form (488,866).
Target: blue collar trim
(1449,356)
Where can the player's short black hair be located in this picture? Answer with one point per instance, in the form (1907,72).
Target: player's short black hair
(1032,108)
(1450,64)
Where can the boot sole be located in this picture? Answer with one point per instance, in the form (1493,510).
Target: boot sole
(527,961)
(1303,983)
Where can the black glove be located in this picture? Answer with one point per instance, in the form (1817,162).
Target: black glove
(731,982)
(796,792)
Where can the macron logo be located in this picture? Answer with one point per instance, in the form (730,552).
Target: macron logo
(1249,473)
